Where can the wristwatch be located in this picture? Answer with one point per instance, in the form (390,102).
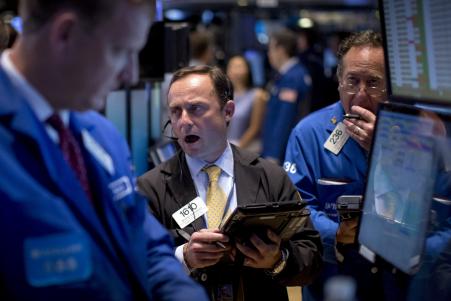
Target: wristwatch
(280,265)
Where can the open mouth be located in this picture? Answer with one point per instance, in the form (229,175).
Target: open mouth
(191,138)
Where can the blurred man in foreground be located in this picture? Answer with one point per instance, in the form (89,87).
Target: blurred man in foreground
(73,225)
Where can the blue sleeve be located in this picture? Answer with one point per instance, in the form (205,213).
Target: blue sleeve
(298,80)
(167,279)
(281,126)
(301,162)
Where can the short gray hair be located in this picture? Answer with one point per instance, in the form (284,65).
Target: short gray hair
(367,38)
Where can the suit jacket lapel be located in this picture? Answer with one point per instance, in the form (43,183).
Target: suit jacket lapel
(247,177)
(182,186)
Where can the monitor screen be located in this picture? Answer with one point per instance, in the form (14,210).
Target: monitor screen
(418,40)
(410,155)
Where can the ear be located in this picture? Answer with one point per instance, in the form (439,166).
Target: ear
(229,109)
(63,29)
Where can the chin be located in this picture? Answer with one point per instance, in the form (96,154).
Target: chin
(99,105)
(95,103)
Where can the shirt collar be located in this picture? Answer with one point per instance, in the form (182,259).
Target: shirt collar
(225,162)
(287,65)
(37,102)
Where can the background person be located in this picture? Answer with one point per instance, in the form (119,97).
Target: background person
(289,91)
(323,173)
(202,49)
(250,103)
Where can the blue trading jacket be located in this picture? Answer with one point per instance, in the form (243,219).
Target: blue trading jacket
(307,161)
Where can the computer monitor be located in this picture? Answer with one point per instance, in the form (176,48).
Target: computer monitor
(410,155)
(418,41)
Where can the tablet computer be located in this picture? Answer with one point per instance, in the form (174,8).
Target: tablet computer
(284,218)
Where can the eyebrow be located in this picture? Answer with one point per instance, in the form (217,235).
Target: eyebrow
(364,76)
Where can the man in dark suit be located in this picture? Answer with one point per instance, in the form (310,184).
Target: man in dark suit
(71,223)
(200,107)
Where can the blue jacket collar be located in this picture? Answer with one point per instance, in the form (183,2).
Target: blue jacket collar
(335,116)
(18,116)
(351,148)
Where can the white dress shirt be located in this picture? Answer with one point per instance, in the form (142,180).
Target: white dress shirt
(226,182)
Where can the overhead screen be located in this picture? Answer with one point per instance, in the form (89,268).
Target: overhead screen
(418,38)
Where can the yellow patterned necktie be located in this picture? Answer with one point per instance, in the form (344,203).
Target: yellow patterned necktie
(216,198)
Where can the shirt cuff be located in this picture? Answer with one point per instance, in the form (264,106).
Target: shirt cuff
(179,256)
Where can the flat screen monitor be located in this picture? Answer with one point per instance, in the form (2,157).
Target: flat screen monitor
(417,43)
(410,155)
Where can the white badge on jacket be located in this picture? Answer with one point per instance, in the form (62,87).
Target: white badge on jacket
(190,212)
(98,152)
(337,139)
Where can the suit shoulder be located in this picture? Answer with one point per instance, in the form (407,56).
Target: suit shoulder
(270,167)
(250,158)
(156,174)
(296,73)
(98,120)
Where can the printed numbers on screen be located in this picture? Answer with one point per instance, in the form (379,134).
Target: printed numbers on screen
(336,136)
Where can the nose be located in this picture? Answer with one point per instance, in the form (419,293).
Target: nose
(362,89)
(129,75)
(185,121)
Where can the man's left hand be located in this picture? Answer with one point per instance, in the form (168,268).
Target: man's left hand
(261,254)
(347,231)
(361,130)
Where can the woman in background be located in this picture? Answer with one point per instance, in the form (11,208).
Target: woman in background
(250,104)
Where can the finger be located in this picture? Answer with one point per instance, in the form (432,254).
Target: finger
(247,251)
(352,125)
(206,247)
(216,230)
(232,255)
(274,237)
(209,236)
(349,123)
(205,263)
(367,126)
(259,244)
(205,256)
(354,132)
(353,129)
(249,262)
(365,114)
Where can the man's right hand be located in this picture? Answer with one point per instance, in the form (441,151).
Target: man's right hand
(361,130)
(202,251)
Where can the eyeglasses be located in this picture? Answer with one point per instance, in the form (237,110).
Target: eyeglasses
(374,86)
